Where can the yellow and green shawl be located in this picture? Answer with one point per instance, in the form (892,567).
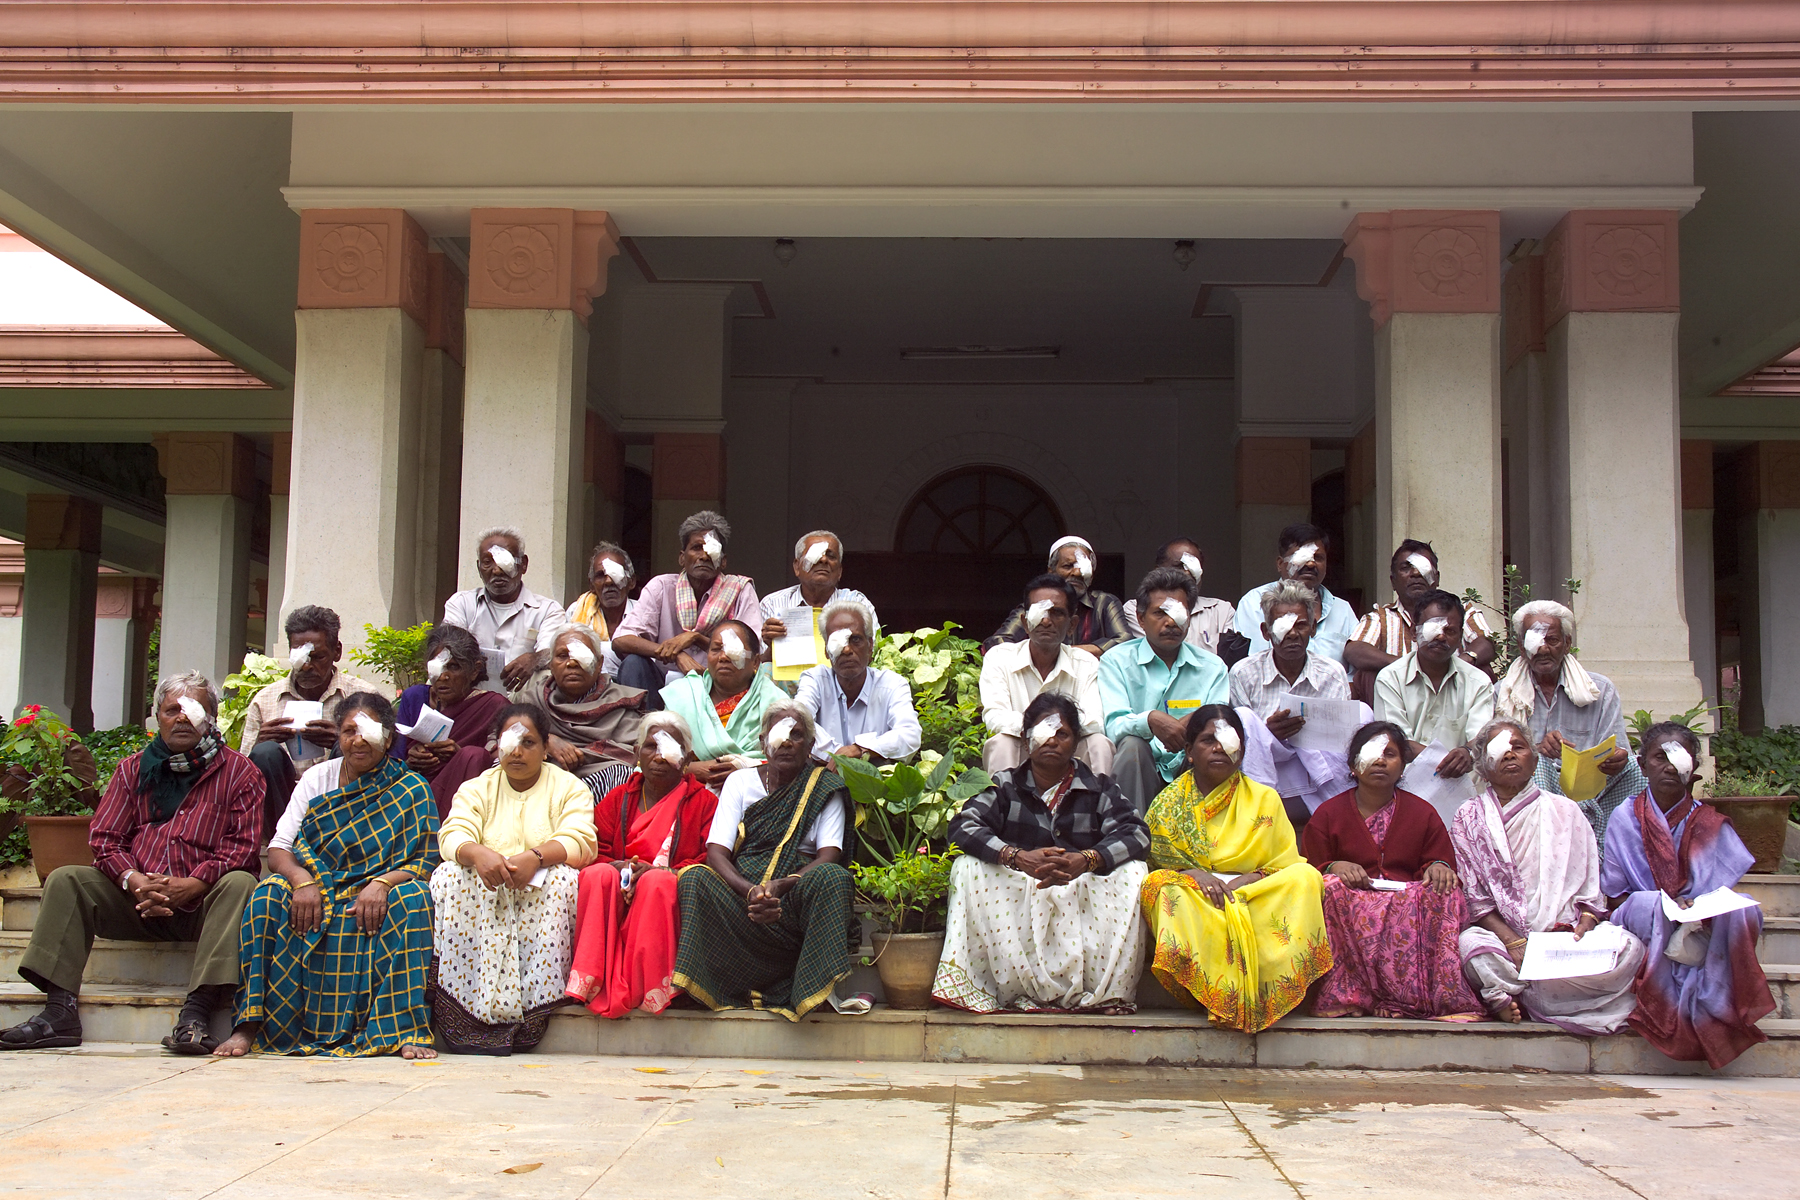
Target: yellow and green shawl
(1248,963)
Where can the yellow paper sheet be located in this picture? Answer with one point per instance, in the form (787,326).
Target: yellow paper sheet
(1582,778)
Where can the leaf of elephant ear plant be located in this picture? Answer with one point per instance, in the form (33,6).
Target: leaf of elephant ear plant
(969,784)
(934,782)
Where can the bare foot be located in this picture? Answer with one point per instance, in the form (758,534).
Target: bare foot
(238,1044)
(1508,1011)
(418,1052)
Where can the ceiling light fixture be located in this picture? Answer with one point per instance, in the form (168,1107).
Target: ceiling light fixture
(1185,254)
(927,353)
(785,250)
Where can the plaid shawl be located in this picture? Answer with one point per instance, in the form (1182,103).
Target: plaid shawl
(719,600)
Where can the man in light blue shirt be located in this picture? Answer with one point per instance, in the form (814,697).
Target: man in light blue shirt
(859,711)
(1303,552)
(1149,685)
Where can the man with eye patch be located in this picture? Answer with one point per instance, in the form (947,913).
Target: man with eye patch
(1386,631)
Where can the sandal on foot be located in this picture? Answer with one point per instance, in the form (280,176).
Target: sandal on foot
(191,1037)
(39,1034)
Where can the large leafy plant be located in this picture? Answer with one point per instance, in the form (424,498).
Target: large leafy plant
(914,890)
(944,672)
(398,654)
(48,772)
(900,809)
(258,672)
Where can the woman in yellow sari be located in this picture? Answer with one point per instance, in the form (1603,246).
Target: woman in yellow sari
(1234,909)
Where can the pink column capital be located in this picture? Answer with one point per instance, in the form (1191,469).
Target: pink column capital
(363,258)
(539,258)
(1426,261)
(1612,260)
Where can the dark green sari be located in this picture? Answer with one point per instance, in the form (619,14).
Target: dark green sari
(726,960)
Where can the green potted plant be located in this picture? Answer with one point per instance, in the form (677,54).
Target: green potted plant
(900,809)
(1754,804)
(49,782)
(240,688)
(397,653)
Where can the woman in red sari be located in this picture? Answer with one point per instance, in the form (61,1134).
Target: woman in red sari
(628,919)
(1393,905)
(456,665)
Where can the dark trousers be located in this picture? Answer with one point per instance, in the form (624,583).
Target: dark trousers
(278,773)
(641,671)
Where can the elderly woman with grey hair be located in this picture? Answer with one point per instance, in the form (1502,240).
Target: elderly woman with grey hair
(1530,865)
(1565,704)
(765,922)
(174,841)
(591,720)
(628,919)
(665,636)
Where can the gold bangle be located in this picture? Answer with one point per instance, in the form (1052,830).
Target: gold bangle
(297,886)
(1517,942)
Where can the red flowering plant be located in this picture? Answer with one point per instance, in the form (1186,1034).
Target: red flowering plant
(44,768)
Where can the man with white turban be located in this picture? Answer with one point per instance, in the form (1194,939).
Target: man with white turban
(1563,703)
(1097,620)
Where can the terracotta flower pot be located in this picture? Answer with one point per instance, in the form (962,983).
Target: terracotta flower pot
(1762,822)
(907,963)
(59,842)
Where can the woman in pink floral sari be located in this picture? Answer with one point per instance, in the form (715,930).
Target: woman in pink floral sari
(1393,905)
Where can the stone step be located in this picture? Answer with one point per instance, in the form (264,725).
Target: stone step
(1778,894)
(19,908)
(1780,940)
(1784,985)
(155,964)
(113,1013)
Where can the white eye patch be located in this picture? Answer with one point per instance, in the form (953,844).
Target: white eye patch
(510,738)
(504,562)
(1228,739)
(300,655)
(1177,611)
(834,645)
(1498,745)
(613,570)
(373,732)
(1680,759)
(436,666)
(1371,751)
(1084,566)
(1423,566)
(667,748)
(1040,609)
(1192,566)
(1301,556)
(194,711)
(1283,625)
(1534,638)
(814,553)
(581,653)
(1433,629)
(715,549)
(733,645)
(1044,730)
(781,732)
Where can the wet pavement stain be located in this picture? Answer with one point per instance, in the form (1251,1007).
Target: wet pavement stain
(1294,1097)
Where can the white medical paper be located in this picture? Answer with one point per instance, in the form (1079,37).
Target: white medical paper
(1710,904)
(798,648)
(1560,956)
(1330,724)
(432,726)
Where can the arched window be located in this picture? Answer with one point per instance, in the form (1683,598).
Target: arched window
(980,511)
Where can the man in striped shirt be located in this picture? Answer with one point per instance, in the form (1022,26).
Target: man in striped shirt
(1386,632)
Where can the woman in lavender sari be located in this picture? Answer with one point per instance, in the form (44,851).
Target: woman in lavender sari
(1699,994)
(1529,864)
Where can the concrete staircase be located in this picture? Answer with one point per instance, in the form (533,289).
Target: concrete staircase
(134,990)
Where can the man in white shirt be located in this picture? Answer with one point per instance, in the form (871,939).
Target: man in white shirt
(510,622)
(819,566)
(1210,623)
(1302,555)
(1433,692)
(1013,673)
(860,711)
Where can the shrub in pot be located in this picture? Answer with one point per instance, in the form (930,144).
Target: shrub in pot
(1753,803)
(49,780)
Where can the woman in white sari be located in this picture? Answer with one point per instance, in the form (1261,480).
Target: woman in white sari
(1530,864)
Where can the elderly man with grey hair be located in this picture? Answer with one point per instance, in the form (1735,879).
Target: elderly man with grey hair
(174,841)
(665,636)
(1565,704)
(509,620)
(819,566)
(861,711)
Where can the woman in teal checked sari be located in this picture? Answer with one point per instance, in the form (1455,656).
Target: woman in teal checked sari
(337,940)
(765,921)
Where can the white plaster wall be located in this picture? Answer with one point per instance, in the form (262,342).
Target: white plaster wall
(659,354)
(112,670)
(1697,588)
(1297,362)
(11,630)
(1778,582)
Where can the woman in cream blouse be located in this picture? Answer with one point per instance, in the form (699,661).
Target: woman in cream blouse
(513,845)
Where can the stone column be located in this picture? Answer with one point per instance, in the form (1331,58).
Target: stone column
(1612,299)
(211,483)
(440,442)
(687,474)
(280,467)
(358,370)
(113,645)
(533,274)
(1768,480)
(1432,280)
(1697,563)
(1537,542)
(62,577)
(1274,490)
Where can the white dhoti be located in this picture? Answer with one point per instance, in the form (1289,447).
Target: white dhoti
(1010,945)
(1588,1004)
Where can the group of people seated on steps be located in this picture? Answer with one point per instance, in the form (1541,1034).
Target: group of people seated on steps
(628,804)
